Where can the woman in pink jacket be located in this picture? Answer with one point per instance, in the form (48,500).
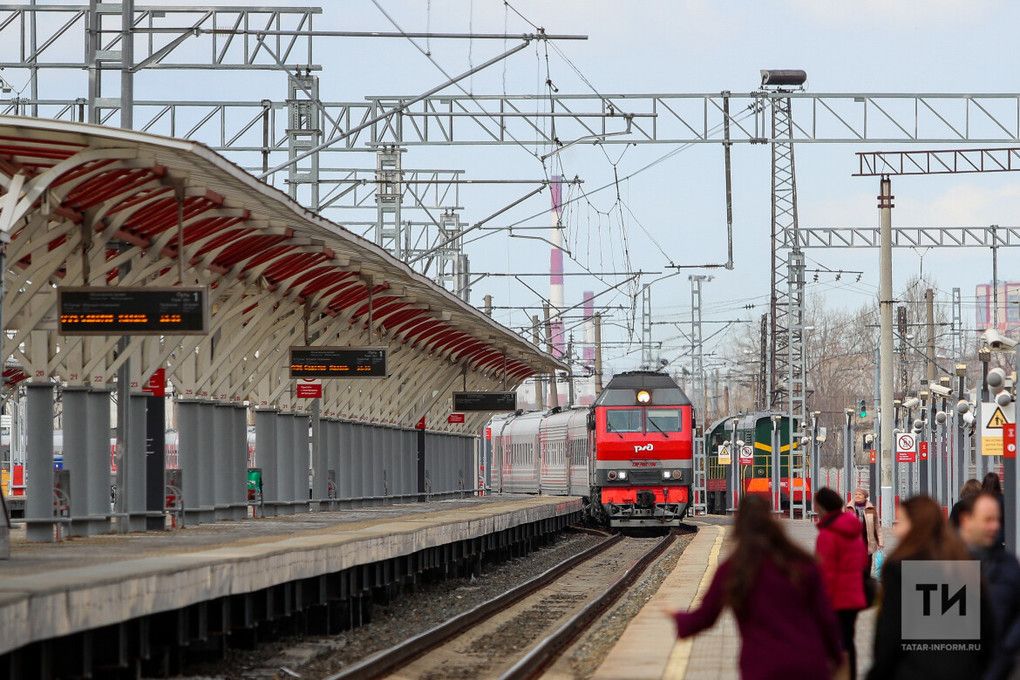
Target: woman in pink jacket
(843,560)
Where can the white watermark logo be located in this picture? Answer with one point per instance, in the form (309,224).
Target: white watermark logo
(941,600)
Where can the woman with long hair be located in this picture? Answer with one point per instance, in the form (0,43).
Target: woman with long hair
(992,485)
(787,627)
(923,535)
(970,489)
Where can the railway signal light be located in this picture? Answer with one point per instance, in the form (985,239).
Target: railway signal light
(863,409)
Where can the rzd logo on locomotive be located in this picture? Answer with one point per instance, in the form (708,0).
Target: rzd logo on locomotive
(644,447)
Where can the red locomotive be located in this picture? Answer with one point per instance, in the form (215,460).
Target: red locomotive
(630,454)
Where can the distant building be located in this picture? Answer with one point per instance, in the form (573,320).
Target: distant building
(1008,304)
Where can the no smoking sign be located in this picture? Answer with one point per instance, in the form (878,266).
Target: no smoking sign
(906,447)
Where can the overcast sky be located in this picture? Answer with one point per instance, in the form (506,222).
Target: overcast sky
(697,46)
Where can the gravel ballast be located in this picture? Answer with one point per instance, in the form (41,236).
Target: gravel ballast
(406,616)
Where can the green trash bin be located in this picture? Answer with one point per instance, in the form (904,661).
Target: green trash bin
(255,485)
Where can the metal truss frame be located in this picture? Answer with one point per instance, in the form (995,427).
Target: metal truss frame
(936,162)
(904,237)
(233,38)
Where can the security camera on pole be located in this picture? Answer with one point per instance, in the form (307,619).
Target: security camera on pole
(996,434)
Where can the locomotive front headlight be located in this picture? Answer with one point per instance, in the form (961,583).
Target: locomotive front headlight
(623,474)
(644,396)
(665,474)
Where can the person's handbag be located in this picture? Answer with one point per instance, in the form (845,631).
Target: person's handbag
(878,559)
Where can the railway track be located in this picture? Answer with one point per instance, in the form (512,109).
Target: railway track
(522,632)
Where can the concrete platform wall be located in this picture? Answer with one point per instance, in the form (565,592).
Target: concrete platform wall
(335,572)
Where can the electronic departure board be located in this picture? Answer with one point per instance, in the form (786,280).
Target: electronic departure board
(484,401)
(117,310)
(337,362)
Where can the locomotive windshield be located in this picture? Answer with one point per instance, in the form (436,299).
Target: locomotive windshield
(643,420)
(664,419)
(623,420)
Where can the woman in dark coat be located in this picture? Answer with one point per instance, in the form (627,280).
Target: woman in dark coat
(923,534)
(787,627)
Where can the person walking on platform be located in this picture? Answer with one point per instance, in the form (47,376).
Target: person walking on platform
(992,485)
(843,560)
(787,627)
(970,488)
(922,534)
(980,522)
(870,525)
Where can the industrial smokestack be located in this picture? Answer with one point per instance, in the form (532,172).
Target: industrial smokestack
(589,327)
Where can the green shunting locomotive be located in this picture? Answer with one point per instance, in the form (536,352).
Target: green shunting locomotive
(755,430)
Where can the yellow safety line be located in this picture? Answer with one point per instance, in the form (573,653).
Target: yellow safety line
(676,667)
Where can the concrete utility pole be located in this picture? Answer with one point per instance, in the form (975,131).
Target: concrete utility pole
(535,339)
(995,280)
(929,301)
(570,371)
(598,353)
(1011,497)
(554,389)
(885,303)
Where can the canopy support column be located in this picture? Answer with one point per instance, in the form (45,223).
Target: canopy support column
(266,453)
(39,461)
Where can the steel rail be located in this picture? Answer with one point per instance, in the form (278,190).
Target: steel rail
(548,650)
(388,660)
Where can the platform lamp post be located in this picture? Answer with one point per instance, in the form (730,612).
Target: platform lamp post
(848,448)
(815,469)
(924,429)
(985,356)
(777,497)
(960,451)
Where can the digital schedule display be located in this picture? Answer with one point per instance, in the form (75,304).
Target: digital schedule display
(114,310)
(337,362)
(484,401)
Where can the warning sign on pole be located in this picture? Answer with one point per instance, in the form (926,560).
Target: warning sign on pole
(993,419)
(724,454)
(906,448)
(923,447)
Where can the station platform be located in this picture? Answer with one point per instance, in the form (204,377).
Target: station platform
(648,648)
(50,591)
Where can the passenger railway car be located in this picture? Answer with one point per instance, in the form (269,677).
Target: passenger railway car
(629,454)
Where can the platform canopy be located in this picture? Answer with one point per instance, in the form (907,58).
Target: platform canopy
(84,205)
